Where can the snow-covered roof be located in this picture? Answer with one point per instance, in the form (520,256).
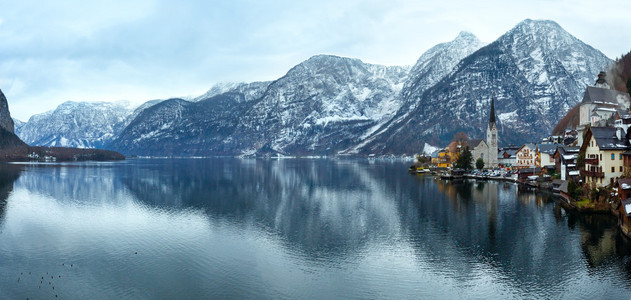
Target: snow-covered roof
(607,140)
(548,148)
(603,96)
(574,173)
(606,109)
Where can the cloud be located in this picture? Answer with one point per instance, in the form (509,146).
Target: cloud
(72,50)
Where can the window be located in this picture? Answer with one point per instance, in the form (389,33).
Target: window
(613,169)
(620,156)
(620,168)
(613,156)
(601,156)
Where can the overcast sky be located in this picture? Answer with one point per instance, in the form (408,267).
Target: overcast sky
(55,51)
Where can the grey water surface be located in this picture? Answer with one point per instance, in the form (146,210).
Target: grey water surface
(293,228)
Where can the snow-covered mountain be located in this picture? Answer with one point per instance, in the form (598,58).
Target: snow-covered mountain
(537,72)
(318,107)
(329,105)
(77,124)
(430,68)
(250,91)
(321,106)
(18,124)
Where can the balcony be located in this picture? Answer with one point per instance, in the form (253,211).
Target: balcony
(593,174)
(591,161)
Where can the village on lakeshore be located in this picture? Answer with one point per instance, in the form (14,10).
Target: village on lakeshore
(588,165)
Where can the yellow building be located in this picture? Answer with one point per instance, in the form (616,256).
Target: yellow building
(603,148)
(444,158)
(448,156)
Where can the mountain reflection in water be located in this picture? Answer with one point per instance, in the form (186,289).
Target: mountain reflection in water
(297,228)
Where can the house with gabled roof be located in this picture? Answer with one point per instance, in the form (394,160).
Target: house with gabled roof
(604,148)
(546,155)
(565,160)
(507,156)
(527,156)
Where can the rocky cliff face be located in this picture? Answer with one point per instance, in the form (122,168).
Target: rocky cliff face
(8,139)
(6,122)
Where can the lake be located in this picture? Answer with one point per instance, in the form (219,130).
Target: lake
(293,228)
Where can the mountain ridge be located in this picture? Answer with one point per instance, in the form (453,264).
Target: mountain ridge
(533,86)
(332,105)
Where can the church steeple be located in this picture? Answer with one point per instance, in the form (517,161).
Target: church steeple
(491,137)
(492,115)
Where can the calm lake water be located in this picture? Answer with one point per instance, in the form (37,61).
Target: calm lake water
(296,228)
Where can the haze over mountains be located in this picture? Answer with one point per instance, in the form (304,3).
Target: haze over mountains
(329,105)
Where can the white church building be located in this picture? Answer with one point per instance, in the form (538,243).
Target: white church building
(487,150)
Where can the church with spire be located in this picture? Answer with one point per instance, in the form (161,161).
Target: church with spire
(487,150)
(491,138)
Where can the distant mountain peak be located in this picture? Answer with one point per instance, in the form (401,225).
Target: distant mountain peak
(540,22)
(537,70)
(538,28)
(467,36)
(320,59)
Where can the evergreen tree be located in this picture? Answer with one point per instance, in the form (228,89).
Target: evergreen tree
(479,163)
(465,160)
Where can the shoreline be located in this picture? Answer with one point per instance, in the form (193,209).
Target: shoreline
(57,154)
(563,200)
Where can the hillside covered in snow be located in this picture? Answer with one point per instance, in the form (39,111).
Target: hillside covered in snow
(330,105)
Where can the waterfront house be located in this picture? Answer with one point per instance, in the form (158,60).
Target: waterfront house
(565,162)
(507,157)
(434,158)
(603,148)
(444,158)
(624,216)
(527,156)
(546,155)
(624,188)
